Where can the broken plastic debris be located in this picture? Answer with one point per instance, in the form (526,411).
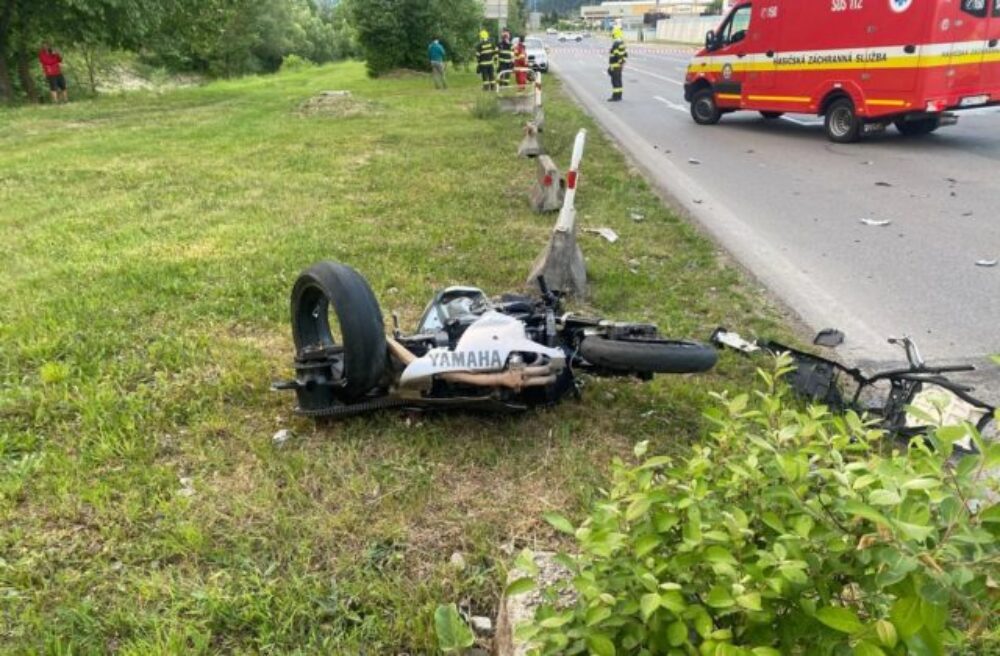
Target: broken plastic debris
(986,263)
(692,160)
(829,337)
(187,487)
(882,184)
(637,216)
(878,223)
(607,233)
(281,437)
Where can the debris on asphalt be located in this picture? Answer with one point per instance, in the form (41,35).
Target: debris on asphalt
(878,223)
(697,201)
(607,233)
(692,160)
(751,151)
(829,337)
(867,163)
(966,213)
(282,436)
(882,184)
(986,263)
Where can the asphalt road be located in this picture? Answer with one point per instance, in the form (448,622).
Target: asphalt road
(788,205)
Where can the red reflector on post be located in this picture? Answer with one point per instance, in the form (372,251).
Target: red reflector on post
(571,180)
(547,181)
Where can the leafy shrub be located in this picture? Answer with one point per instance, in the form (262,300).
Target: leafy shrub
(453,634)
(295,63)
(395,34)
(789,531)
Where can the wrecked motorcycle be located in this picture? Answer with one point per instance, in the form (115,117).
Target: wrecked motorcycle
(469,351)
(907,401)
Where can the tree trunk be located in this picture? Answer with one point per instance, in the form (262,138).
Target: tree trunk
(6,88)
(89,53)
(24,74)
(6,13)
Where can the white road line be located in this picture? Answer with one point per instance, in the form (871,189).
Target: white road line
(629,67)
(671,105)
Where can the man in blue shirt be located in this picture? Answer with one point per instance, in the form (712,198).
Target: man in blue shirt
(436,54)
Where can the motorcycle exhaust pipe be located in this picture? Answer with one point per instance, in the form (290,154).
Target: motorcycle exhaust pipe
(514,379)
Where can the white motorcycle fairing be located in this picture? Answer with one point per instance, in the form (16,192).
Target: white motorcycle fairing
(484,347)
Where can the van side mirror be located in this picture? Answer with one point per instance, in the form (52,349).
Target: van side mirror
(710,40)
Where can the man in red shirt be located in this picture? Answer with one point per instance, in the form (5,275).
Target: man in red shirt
(51,62)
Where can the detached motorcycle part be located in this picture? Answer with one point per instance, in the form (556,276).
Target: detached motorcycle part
(658,356)
(345,371)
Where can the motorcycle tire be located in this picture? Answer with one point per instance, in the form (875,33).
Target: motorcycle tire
(362,330)
(648,356)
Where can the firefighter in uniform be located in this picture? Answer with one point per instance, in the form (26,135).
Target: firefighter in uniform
(506,58)
(485,54)
(616,61)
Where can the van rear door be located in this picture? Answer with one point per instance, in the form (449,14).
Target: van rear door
(991,60)
(968,42)
(894,33)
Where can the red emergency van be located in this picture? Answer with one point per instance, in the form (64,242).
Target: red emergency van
(862,64)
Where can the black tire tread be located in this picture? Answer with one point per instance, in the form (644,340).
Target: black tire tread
(648,356)
(360,318)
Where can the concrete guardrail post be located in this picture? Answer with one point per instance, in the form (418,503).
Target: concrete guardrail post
(539,111)
(561,261)
(549,188)
(510,97)
(531,145)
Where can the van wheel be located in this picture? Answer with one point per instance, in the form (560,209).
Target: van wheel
(916,128)
(704,111)
(772,115)
(841,123)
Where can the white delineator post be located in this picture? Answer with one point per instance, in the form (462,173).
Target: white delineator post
(539,113)
(561,261)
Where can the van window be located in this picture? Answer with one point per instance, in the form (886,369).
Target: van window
(996,8)
(976,8)
(735,30)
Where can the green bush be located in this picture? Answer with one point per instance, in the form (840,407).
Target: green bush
(295,63)
(395,34)
(788,531)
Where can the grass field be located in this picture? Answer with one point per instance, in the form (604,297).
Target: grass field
(149,246)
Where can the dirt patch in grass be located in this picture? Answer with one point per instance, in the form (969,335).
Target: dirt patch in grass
(336,104)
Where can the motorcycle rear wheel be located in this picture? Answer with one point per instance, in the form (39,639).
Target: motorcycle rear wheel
(329,285)
(653,356)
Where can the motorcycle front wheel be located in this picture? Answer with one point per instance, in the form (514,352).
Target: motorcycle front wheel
(653,356)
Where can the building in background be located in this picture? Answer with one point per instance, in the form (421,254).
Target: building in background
(631,14)
(496,10)
(535,20)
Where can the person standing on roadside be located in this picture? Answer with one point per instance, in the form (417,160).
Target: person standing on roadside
(506,58)
(51,62)
(616,61)
(485,53)
(435,52)
(520,63)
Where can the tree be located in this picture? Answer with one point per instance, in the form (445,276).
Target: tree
(395,33)
(6,18)
(517,16)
